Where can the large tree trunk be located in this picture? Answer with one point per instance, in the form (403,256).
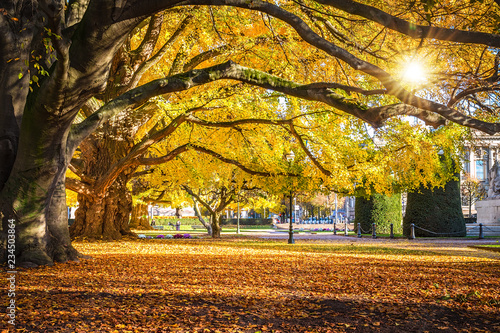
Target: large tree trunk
(105,216)
(42,235)
(34,194)
(139,219)
(216,226)
(60,246)
(35,152)
(105,212)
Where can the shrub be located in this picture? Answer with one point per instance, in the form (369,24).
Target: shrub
(379,209)
(438,210)
(247,221)
(164,220)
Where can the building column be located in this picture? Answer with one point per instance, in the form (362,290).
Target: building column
(472,163)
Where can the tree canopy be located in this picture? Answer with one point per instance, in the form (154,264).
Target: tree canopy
(324,78)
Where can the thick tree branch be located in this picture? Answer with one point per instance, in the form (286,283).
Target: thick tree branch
(57,81)
(306,33)
(392,85)
(430,119)
(75,11)
(411,29)
(164,159)
(204,56)
(149,41)
(181,149)
(79,187)
(198,198)
(138,150)
(229,70)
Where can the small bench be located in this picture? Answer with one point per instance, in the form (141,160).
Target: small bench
(158,227)
(197,227)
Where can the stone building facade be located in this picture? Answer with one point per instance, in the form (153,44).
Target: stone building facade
(479,158)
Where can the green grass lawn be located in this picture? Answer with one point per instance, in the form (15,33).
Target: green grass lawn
(489,247)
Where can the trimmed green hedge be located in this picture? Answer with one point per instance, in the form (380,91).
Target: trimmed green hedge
(247,221)
(381,210)
(438,210)
(184,221)
(224,221)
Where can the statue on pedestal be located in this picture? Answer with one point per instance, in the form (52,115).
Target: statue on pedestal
(494,182)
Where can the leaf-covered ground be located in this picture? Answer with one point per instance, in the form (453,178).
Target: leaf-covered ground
(259,286)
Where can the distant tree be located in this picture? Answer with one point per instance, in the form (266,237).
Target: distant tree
(472,190)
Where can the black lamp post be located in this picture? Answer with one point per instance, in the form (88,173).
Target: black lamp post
(290,157)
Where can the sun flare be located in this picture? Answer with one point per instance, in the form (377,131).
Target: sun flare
(414,72)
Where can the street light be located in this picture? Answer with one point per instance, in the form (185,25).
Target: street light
(290,157)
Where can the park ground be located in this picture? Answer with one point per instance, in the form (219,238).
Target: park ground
(243,283)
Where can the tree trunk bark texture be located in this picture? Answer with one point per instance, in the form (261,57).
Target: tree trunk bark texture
(103,217)
(34,195)
(36,121)
(106,212)
(139,219)
(216,227)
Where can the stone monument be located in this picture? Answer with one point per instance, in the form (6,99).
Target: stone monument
(488,210)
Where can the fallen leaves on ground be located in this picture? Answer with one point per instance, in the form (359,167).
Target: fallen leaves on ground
(259,286)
